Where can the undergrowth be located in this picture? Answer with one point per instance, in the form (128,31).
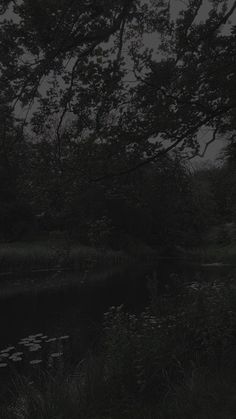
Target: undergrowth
(175,360)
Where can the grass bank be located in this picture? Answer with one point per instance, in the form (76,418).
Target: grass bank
(55,255)
(213,253)
(50,256)
(219,245)
(202,394)
(36,267)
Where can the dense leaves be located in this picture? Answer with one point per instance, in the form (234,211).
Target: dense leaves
(85,102)
(74,60)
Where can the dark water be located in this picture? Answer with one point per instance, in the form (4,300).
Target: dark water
(41,330)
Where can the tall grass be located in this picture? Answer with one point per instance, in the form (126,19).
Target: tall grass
(203,394)
(89,393)
(173,361)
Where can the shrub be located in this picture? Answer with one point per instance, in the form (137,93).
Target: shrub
(145,353)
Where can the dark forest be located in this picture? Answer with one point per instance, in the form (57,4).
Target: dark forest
(117,234)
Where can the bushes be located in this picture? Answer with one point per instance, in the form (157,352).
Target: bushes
(132,349)
(148,352)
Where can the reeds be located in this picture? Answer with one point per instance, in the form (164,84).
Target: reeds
(89,394)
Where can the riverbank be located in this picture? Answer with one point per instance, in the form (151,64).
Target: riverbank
(173,359)
(176,359)
(212,253)
(27,267)
(52,281)
(54,256)
(202,394)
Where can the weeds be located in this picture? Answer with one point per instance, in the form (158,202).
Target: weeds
(176,362)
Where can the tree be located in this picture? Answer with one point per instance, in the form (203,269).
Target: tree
(87,103)
(70,60)
(224,183)
(15,212)
(190,88)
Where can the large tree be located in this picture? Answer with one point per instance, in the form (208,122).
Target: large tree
(88,63)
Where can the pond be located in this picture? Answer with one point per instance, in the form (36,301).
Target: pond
(38,329)
(48,328)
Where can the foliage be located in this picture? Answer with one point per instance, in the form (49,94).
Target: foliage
(81,74)
(202,394)
(147,353)
(225,192)
(175,359)
(85,103)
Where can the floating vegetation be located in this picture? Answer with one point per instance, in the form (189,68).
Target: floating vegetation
(14,355)
(51,340)
(31,344)
(10,348)
(35,361)
(35,348)
(56,354)
(28,344)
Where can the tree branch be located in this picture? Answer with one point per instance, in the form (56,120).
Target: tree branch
(191,131)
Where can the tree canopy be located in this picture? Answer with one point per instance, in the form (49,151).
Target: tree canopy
(93,90)
(85,69)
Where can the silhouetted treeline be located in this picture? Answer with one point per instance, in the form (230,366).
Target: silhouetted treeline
(164,204)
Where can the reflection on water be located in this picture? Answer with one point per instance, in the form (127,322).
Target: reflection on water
(35,361)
